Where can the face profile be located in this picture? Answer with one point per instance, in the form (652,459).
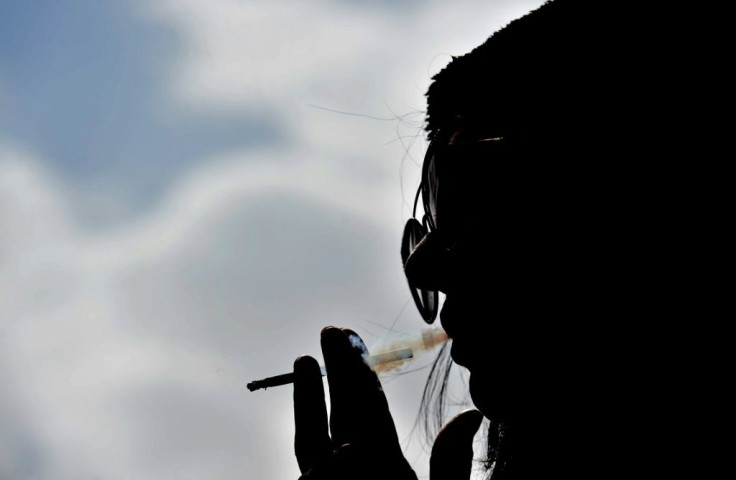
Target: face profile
(458,250)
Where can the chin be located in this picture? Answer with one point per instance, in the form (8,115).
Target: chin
(482,396)
(492,397)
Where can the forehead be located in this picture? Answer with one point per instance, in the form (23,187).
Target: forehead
(465,168)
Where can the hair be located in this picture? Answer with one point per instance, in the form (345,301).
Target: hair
(433,412)
(433,406)
(538,69)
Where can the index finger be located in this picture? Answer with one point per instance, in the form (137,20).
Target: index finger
(311,439)
(360,413)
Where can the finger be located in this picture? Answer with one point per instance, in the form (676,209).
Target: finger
(381,429)
(349,462)
(311,439)
(452,452)
(360,414)
(343,464)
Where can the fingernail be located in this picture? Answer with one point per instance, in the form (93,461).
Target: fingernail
(356,342)
(341,353)
(334,341)
(328,327)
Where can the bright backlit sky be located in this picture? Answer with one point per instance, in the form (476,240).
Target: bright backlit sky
(189,191)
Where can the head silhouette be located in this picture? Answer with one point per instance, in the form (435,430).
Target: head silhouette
(544,215)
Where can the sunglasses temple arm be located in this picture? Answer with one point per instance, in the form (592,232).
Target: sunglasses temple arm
(416,200)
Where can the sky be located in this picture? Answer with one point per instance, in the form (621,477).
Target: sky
(189,191)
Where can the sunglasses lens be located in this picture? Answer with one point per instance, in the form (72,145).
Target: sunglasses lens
(413,234)
(425,300)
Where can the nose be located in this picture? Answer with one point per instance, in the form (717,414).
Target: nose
(429,265)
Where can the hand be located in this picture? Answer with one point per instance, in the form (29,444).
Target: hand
(362,442)
(452,452)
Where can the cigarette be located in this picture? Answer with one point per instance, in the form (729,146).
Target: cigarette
(371,360)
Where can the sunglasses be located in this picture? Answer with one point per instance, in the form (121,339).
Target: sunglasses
(462,168)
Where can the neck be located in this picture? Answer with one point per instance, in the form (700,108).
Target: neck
(537,449)
(517,453)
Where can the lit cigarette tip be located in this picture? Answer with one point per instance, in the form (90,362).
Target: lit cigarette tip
(371,360)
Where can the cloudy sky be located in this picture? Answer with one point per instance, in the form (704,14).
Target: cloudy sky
(189,191)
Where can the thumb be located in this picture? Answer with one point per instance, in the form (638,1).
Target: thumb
(452,452)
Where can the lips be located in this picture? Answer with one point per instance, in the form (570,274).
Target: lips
(458,355)
(447,318)
(461,350)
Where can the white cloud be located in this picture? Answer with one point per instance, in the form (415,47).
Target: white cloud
(241,54)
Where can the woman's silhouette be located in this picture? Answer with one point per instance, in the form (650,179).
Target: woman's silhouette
(548,226)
